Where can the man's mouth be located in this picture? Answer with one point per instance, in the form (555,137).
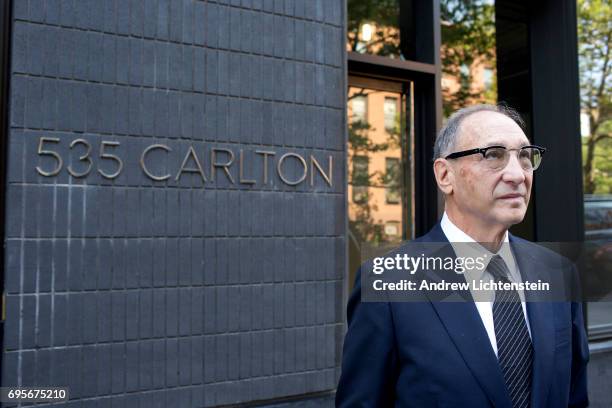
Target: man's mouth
(511,196)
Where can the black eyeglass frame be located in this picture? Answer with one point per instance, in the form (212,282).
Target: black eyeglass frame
(483,151)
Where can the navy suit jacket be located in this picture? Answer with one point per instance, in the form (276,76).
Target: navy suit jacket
(438,354)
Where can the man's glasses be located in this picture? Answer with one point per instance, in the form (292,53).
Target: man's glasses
(497,157)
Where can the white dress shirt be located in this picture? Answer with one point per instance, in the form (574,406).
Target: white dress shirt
(485,308)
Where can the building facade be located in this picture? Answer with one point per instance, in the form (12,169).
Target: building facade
(171,168)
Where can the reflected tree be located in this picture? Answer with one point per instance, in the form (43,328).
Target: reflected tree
(383,14)
(468,37)
(362,224)
(594,41)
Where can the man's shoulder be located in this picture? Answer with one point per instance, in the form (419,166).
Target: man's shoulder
(434,241)
(435,234)
(544,252)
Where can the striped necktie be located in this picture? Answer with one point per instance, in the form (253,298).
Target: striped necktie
(514,349)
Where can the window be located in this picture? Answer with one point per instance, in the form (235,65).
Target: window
(379,209)
(598,254)
(359,107)
(585,126)
(392,229)
(596,122)
(390,109)
(464,77)
(467,53)
(392,180)
(360,179)
(373,27)
(385,46)
(487,76)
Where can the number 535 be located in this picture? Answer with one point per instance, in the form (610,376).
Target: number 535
(85,158)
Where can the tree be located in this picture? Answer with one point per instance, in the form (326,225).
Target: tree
(468,36)
(594,40)
(384,14)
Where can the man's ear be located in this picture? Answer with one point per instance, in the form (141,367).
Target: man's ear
(444,175)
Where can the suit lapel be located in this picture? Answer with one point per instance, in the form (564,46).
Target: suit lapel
(465,328)
(540,313)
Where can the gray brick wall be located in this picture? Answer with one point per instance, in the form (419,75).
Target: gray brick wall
(135,292)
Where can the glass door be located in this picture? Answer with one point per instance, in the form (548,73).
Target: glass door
(380,169)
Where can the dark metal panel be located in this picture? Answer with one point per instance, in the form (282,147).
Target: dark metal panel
(420,30)
(556,120)
(427,28)
(537,67)
(514,77)
(427,115)
(412,69)
(426,118)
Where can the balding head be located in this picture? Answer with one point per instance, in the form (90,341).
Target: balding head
(449,135)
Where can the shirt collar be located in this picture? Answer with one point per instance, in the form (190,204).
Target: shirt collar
(455,235)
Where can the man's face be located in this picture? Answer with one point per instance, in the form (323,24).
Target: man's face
(493,197)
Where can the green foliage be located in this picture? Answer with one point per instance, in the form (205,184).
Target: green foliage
(468,32)
(468,35)
(602,166)
(383,13)
(594,41)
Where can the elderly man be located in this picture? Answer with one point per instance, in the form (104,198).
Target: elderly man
(505,352)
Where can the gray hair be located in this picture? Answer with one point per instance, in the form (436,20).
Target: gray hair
(447,138)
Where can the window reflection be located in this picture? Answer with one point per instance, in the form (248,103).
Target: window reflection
(390,110)
(392,180)
(373,27)
(467,53)
(380,27)
(392,229)
(378,186)
(360,179)
(598,247)
(359,106)
(594,33)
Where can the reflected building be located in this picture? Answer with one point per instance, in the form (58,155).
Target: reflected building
(374,192)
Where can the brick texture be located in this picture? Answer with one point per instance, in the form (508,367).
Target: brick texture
(186,293)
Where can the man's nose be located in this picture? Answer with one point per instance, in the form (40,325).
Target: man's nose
(513,172)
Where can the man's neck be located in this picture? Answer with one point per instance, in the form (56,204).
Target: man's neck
(488,236)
